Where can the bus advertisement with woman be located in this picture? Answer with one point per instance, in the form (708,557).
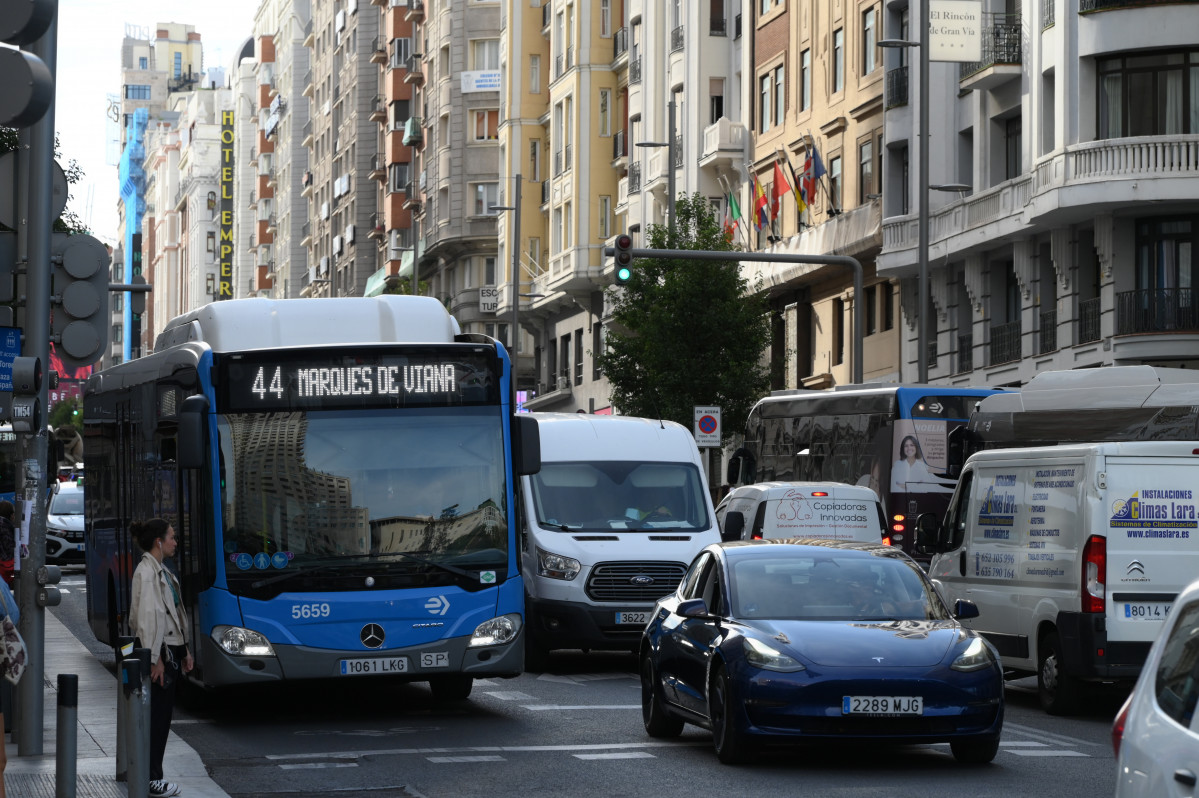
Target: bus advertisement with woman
(894,439)
(340,476)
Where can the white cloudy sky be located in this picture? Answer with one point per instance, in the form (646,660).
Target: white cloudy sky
(89,69)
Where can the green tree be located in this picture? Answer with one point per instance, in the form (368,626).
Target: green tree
(688,332)
(67,413)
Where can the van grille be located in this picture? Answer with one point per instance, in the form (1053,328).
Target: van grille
(613,581)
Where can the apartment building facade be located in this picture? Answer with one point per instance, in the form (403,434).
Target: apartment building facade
(1076,141)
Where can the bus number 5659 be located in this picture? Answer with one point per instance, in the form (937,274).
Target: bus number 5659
(310,610)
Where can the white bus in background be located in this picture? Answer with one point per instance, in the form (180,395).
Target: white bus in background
(609,525)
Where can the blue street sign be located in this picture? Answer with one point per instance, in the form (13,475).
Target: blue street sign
(10,350)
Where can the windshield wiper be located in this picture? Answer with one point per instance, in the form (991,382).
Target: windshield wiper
(453,569)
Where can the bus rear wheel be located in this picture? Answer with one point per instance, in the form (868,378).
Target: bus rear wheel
(451,688)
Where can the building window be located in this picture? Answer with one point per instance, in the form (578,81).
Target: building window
(534,74)
(489,270)
(211,243)
(605,217)
(838,346)
(605,112)
(143,63)
(486,195)
(564,360)
(869,39)
(865,171)
(1148,94)
(805,80)
(1012,129)
(764,103)
(780,96)
(834,182)
(401,49)
(401,110)
(605,17)
(888,306)
(871,323)
(715,99)
(534,160)
(487,125)
(838,60)
(178,65)
(398,177)
(136,92)
(597,344)
(486,53)
(578,357)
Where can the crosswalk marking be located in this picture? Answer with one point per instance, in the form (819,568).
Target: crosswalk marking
(510,695)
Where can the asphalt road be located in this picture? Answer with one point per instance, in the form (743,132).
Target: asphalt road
(576,729)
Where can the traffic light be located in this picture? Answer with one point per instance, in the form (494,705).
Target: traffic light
(27,90)
(624,258)
(80,299)
(26,383)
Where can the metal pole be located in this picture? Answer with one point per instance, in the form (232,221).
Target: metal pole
(922,245)
(67,748)
(37,343)
(514,336)
(136,694)
(670,189)
(124,650)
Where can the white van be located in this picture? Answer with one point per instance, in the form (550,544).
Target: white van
(608,526)
(830,510)
(1073,555)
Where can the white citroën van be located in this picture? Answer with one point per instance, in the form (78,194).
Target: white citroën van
(1072,553)
(608,526)
(831,510)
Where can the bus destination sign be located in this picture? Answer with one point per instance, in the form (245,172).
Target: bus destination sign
(325,380)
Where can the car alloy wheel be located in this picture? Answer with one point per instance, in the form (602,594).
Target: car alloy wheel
(653,714)
(730,744)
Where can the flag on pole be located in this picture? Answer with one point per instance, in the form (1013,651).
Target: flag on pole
(780,188)
(732,215)
(813,170)
(761,205)
(799,201)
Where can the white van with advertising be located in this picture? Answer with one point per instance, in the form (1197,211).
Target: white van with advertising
(1073,555)
(831,510)
(608,526)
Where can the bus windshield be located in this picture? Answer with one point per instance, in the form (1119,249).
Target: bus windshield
(337,496)
(618,495)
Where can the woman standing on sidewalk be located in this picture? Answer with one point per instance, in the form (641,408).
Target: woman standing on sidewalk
(159,623)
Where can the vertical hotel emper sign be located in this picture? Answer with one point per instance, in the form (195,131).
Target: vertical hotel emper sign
(226,247)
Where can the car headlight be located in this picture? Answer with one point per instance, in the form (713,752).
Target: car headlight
(763,656)
(496,632)
(242,642)
(976,657)
(556,566)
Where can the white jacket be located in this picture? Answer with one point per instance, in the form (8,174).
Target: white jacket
(152,612)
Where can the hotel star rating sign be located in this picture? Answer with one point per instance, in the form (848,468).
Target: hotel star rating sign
(707,426)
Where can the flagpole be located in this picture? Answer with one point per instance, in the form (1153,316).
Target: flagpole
(741,225)
(800,205)
(833,209)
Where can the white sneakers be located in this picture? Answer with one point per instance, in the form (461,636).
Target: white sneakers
(163,789)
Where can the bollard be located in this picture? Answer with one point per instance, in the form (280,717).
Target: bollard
(124,649)
(65,753)
(137,714)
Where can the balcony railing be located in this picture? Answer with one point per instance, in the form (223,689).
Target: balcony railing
(634,70)
(1001,43)
(545,192)
(569,159)
(1005,343)
(930,354)
(965,353)
(1089,311)
(1047,335)
(545,16)
(1047,12)
(1157,310)
(570,56)
(678,152)
(557,163)
(718,27)
(676,39)
(634,178)
(620,43)
(897,87)
(558,66)
(619,148)
(1107,5)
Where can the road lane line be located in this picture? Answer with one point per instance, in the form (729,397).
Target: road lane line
(1050,752)
(542,707)
(442,760)
(1022,744)
(619,755)
(510,695)
(318,765)
(1032,731)
(486,749)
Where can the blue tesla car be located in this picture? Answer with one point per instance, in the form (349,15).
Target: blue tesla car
(804,639)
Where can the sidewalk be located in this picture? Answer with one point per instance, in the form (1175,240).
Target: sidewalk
(34,776)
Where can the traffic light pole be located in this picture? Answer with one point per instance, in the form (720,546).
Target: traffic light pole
(769,257)
(37,217)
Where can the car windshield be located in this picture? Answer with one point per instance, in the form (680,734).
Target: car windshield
(833,586)
(66,502)
(619,495)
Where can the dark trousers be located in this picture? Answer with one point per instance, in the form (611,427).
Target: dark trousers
(162,706)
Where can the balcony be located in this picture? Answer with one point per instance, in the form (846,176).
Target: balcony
(718,26)
(724,145)
(1001,54)
(412,198)
(620,43)
(676,39)
(415,11)
(378,51)
(1089,313)
(896,94)
(1047,333)
(378,167)
(965,362)
(1160,310)
(1047,15)
(635,70)
(545,192)
(1005,343)
(306,134)
(545,16)
(306,234)
(414,132)
(309,86)
(620,147)
(379,110)
(416,71)
(377,230)
(635,178)
(272,224)
(306,184)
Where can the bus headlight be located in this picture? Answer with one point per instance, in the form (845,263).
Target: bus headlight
(496,632)
(242,642)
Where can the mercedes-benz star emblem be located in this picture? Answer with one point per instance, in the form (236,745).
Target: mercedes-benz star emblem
(372,635)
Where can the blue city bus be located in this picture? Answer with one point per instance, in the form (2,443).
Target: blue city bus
(896,439)
(340,475)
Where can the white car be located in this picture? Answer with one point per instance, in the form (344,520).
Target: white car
(64,524)
(1156,733)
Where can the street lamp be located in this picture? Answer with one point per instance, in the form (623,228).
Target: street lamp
(514,334)
(922,199)
(669,145)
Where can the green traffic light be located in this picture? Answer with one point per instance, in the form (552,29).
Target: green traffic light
(623,274)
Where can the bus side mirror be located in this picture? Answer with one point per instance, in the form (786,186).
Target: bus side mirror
(734,525)
(526,445)
(928,534)
(193,432)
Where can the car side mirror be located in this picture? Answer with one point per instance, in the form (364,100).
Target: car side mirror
(692,608)
(964,609)
(928,533)
(734,525)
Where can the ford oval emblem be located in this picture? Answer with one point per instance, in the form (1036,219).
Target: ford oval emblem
(641,579)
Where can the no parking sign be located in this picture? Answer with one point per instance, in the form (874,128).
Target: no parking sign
(707,426)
